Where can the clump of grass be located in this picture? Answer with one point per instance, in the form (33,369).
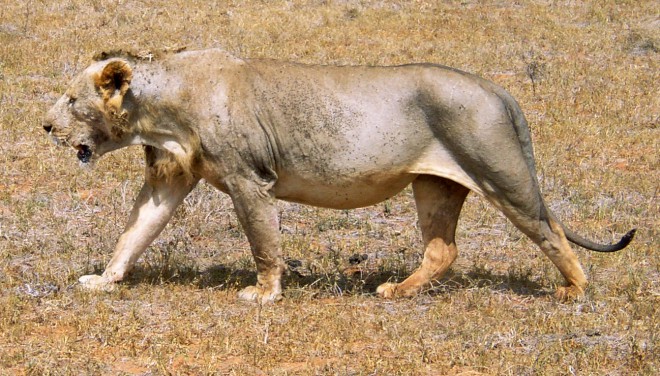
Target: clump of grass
(640,44)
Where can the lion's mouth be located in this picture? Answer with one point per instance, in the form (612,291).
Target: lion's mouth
(84,153)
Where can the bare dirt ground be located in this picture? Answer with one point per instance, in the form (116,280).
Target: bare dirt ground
(586,75)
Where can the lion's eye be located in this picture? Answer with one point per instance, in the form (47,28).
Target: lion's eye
(72,100)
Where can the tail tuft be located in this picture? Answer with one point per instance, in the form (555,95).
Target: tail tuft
(626,239)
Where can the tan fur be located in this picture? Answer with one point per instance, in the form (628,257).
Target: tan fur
(338,137)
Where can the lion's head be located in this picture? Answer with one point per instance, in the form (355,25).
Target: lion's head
(92,116)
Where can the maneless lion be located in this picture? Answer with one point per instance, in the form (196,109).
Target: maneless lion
(335,137)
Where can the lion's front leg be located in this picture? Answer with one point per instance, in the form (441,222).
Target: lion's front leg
(257,212)
(153,208)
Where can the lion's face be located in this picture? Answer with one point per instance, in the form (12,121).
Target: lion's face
(86,116)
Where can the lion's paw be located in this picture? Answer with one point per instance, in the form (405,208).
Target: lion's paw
(387,290)
(569,293)
(96,283)
(258,294)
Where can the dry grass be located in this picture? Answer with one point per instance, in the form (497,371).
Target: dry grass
(586,74)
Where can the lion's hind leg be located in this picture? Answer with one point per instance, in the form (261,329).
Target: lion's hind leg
(439,202)
(552,241)
(529,214)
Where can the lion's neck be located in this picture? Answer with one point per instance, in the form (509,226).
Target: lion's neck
(166,128)
(163,142)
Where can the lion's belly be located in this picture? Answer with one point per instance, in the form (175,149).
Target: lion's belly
(342,192)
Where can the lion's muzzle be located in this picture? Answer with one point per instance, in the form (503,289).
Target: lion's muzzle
(85,152)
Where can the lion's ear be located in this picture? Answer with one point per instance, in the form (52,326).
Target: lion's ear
(113,82)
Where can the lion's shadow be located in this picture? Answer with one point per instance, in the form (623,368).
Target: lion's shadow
(355,282)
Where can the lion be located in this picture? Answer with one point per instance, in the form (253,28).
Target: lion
(338,137)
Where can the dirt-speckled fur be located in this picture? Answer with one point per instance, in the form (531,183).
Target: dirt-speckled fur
(338,137)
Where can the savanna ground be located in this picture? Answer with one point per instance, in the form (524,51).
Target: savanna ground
(586,74)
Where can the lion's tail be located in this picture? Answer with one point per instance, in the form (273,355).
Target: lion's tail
(525,139)
(588,244)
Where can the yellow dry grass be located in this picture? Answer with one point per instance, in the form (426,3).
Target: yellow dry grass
(586,74)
